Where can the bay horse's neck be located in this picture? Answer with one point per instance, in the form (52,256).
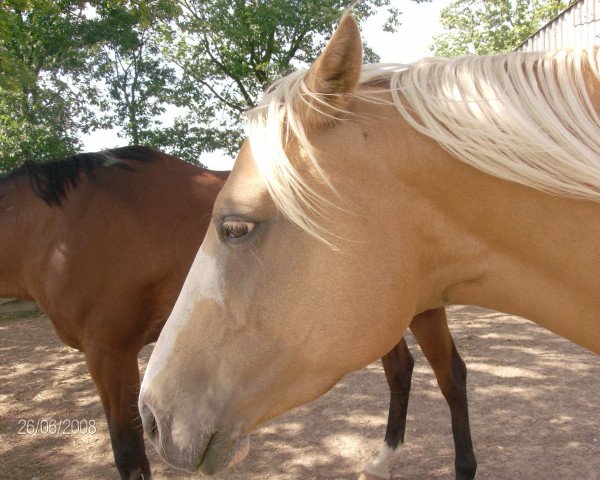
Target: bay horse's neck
(518,250)
(21,216)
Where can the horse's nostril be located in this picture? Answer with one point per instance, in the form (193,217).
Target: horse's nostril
(149,422)
(153,430)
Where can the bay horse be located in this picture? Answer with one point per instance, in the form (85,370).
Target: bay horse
(103,241)
(365,195)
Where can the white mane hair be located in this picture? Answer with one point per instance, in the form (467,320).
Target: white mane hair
(523,117)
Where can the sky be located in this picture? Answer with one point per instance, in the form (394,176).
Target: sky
(420,22)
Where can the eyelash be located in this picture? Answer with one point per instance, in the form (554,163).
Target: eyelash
(235,229)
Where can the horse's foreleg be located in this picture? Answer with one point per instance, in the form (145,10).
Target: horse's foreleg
(398,365)
(431,331)
(117,379)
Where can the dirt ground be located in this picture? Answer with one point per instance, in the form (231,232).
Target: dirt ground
(534,401)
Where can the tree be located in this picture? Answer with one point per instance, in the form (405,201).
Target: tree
(72,66)
(228,52)
(491,26)
(137,81)
(41,43)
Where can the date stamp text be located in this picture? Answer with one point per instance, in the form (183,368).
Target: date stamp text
(56,426)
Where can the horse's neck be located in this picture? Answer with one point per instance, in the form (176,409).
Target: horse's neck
(533,254)
(20,222)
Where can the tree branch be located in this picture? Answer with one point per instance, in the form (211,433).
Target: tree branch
(220,97)
(294,46)
(210,87)
(226,71)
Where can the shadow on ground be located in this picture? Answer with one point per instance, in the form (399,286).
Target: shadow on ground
(533,399)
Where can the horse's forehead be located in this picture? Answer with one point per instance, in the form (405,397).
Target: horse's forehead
(245,185)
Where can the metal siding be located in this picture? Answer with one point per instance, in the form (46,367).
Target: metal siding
(578,26)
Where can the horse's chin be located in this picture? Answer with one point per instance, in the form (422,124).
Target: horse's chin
(222,453)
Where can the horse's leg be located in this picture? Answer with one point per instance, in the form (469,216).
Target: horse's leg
(397,365)
(116,375)
(431,331)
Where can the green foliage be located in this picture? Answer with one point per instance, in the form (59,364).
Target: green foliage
(35,126)
(69,67)
(491,26)
(136,80)
(228,52)
(41,44)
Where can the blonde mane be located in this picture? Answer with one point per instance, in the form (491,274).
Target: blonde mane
(522,117)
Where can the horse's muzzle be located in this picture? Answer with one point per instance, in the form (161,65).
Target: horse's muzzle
(208,452)
(159,431)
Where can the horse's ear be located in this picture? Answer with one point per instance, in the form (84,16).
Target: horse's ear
(334,75)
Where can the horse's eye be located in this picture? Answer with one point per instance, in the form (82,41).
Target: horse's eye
(236,228)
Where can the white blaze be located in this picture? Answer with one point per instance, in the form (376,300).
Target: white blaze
(204,282)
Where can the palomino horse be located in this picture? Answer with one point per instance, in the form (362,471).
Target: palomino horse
(365,195)
(105,255)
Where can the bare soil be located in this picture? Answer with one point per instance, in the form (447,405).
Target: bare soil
(534,399)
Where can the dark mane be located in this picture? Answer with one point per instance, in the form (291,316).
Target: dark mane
(51,181)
